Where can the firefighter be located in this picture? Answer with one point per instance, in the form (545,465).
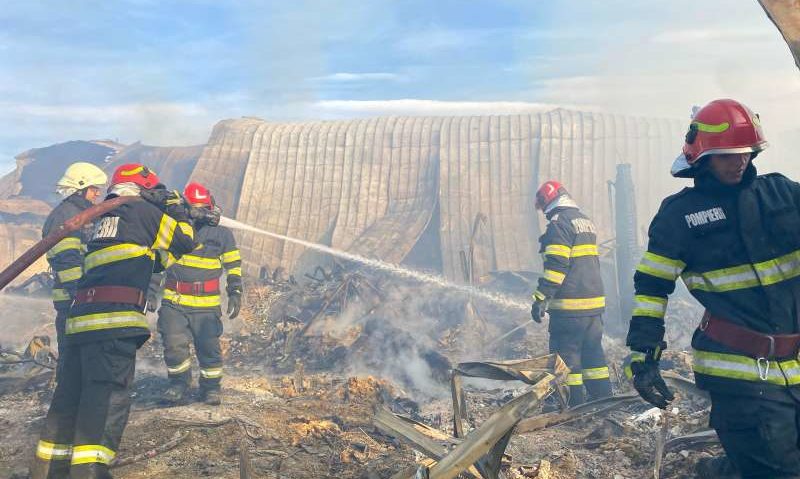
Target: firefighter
(81,186)
(190,310)
(106,325)
(733,239)
(571,291)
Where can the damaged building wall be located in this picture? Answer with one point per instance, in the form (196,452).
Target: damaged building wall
(367,186)
(371,186)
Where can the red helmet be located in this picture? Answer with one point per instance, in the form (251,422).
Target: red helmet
(548,192)
(721,127)
(135,173)
(197,194)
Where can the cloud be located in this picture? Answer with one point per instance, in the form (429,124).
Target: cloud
(359,77)
(715,35)
(436,40)
(158,123)
(427,107)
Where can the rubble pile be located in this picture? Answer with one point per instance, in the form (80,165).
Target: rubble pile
(353,320)
(311,364)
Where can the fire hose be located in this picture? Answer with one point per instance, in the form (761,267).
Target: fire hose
(73,224)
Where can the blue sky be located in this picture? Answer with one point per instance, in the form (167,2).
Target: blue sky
(165,71)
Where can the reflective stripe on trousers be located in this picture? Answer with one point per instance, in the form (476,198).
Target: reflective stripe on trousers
(596,373)
(574,379)
(49,451)
(92,453)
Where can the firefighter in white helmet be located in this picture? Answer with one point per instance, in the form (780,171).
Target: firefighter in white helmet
(81,186)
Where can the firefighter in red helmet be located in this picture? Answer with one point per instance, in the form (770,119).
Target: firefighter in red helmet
(106,325)
(190,308)
(571,291)
(733,240)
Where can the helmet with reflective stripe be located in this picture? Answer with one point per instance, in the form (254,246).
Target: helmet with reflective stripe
(135,173)
(82,175)
(198,195)
(721,127)
(549,191)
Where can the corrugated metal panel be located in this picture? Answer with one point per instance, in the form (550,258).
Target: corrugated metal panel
(367,186)
(224,160)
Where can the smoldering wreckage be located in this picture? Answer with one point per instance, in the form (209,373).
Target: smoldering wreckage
(349,361)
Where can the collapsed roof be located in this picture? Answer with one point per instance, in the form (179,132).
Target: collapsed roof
(380,186)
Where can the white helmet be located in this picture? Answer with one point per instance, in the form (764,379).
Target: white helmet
(82,175)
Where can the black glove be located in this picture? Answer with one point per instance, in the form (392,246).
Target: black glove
(648,381)
(234,305)
(538,309)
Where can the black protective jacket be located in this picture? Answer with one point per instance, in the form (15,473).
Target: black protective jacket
(66,257)
(216,251)
(737,249)
(571,279)
(123,251)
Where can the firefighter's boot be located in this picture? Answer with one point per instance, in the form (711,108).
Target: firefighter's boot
(212,397)
(175,392)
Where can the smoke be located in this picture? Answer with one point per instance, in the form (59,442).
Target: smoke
(25,317)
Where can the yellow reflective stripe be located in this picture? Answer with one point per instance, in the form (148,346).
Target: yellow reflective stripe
(50,451)
(734,366)
(92,453)
(237,271)
(231,256)
(194,301)
(211,373)
(166,230)
(779,269)
(744,276)
(132,172)
(192,261)
(539,295)
(186,229)
(557,250)
(652,306)
(184,366)
(576,304)
(554,276)
(98,321)
(596,373)
(660,266)
(116,253)
(721,280)
(584,250)
(166,258)
(60,294)
(574,379)
(65,245)
(711,128)
(71,274)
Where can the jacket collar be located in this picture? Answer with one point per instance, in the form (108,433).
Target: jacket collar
(705,181)
(561,203)
(78,200)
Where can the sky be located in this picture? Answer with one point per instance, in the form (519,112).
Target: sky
(165,71)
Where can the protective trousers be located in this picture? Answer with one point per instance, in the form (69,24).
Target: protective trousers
(178,327)
(88,412)
(759,436)
(578,340)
